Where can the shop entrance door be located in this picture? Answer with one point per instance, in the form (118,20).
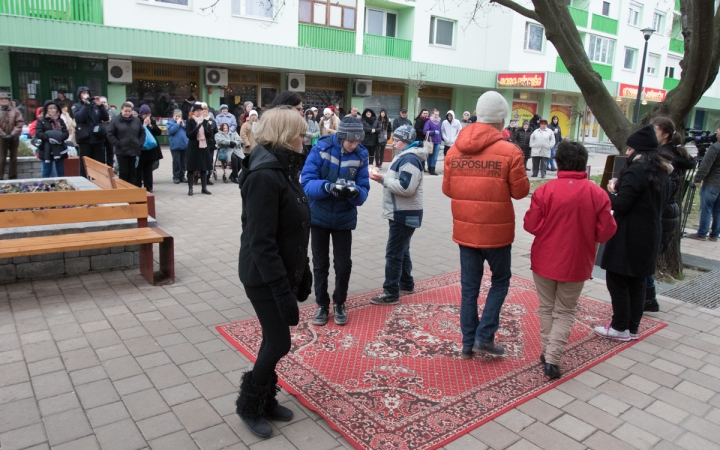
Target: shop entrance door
(591,128)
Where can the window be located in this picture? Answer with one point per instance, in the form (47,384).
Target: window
(533,37)
(168,2)
(606,9)
(601,49)
(630,54)
(634,14)
(381,23)
(333,13)
(255,8)
(653,61)
(658,22)
(669,72)
(442,31)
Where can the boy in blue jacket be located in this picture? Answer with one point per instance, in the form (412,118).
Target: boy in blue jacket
(335,179)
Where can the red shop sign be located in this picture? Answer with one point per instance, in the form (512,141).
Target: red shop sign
(651,94)
(535,80)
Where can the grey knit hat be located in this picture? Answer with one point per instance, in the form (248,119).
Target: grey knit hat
(350,129)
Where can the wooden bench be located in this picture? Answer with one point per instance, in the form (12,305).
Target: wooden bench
(53,208)
(104,176)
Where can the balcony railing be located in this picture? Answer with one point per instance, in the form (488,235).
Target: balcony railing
(604,70)
(677,46)
(670,83)
(604,24)
(326,38)
(387,46)
(70,10)
(579,16)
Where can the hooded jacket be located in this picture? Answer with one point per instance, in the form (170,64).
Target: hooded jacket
(542,142)
(88,116)
(44,131)
(177,137)
(369,123)
(227,118)
(482,174)
(247,137)
(403,193)
(313,131)
(431,127)
(709,171)
(328,162)
(224,141)
(450,130)
(126,135)
(522,139)
(670,220)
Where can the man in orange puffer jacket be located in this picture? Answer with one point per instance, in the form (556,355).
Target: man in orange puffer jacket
(482,174)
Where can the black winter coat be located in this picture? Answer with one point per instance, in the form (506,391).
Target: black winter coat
(637,207)
(44,131)
(522,139)
(419,129)
(383,129)
(87,117)
(275,221)
(558,136)
(199,159)
(371,139)
(154,153)
(127,136)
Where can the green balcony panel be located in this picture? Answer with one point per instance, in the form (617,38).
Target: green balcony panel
(670,83)
(387,46)
(604,24)
(677,46)
(326,38)
(69,10)
(677,5)
(560,66)
(579,16)
(604,70)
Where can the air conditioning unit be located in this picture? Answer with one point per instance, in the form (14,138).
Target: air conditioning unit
(363,88)
(296,82)
(119,71)
(216,77)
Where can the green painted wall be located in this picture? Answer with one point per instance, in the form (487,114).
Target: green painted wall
(411,96)
(544,102)
(356,101)
(5,75)
(116,94)
(465,99)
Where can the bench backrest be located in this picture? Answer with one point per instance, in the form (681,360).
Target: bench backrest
(99,173)
(52,208)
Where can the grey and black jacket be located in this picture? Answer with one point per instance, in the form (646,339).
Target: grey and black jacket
(403,193)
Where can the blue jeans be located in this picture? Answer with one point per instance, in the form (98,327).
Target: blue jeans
(481,330)
(47,168)
(178,164)
(709,209)
(398,267)
(551,160)
(432,159)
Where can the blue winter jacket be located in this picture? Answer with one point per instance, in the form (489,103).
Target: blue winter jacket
(178,138)
(326,163)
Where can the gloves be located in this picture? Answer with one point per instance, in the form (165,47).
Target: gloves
(437,132)
(8,137)
(286,302)
(233,145)
(335,190)
(351,192)
(54,141)
(305,287)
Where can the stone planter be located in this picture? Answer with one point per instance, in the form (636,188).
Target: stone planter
(28,167)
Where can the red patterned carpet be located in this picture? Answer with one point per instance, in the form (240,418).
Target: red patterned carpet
(392,378)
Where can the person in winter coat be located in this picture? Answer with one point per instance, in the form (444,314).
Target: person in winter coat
(53,133)
(542,141)
(144,169)
(237,154)
(535,122)
(433,128)
(69,121)
(557,131)
(450,129)
(384,130)
(512,130)
(273,264)
(370,141)
(334,164)
(465,120)
(419,125)
(330,123)
(178,146)
(33,124)
(708,175)
(198,130)
(313,132)
(212,145)
(187,107)
(89,114)
(226,117)
(127,134)
(482,174)
(567,216)
(61,97)
(522,140)
(228,141)
(638,199)
(11,125)
(401,120)
(247,132)
(403,207)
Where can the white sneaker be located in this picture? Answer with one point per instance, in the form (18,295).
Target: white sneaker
(634,337)
(608,331)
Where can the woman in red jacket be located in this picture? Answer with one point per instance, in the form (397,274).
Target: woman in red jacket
(568,216)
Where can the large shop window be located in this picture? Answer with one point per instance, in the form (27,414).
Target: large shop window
(380,23)
(255,8)
(601,49)
(163,87)
(391,103)
(333,13)
(442,31)
(533,37)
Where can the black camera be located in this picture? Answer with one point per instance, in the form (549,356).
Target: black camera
(702,139)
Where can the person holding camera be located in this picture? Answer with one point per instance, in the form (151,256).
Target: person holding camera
(11,125)
(89,114)
(335,179)
(708,176)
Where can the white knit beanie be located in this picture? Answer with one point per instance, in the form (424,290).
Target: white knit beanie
(327,111)
(491,108)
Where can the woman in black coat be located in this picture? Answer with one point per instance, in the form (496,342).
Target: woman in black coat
(127,134)
(199,131)
(384,131)
(522,139)
(370,141)
(148,156)
(52,132)
(638,199)
(211,144)
(273,265)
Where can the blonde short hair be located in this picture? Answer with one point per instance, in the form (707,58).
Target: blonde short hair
(279,126)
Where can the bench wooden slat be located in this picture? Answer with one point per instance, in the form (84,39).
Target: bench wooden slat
(72,215)
(99,173)
(73,242)
(54,199)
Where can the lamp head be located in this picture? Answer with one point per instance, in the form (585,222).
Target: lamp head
(647,32)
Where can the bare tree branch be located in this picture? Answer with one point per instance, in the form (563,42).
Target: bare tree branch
(510,4)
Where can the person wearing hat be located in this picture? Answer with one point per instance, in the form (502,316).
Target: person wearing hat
(482,174)
(127,135)
(144,171)
(199,131)
(403,207)
(89,115)
(226,117)
(52,132)
(329,123)
(247,132)
(638,198)
(401,120)
(11,125)
(62,97)
(542,141)
(335,179)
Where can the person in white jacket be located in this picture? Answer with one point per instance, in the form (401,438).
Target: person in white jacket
(450,129)
(541,143)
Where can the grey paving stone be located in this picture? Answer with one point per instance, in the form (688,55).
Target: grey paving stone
(228,361)
(133,384)
(72,344)
(219,437)
(23,438)
(197,415)
(545,437)
(213,384)
(183,353)
(67,426)
(690,441)
(466,442)
(635,436)
(514,420)
(97,393)
(153,360)
(196,368)
(112,352)
(40,351)
(145,404)
(107,414)
(603,441)
(160,425)
(88,375)
(18,414)
(573,427)
(274,443)
(703,428)
(609,404)
(11,356)
(601,373)
(166,376)
(651,423)
(171,339)
(86,443)
(51,384)
(122,435)
(175,441)
(59,403)
(578,390)
(592,415)
(140,346)
(682,401)
(556,398)
(640,384)
(625,394)
(180,394)
(159,327)
(540,410)
(495,435)
(122,367)
(45,366)
(80,359)
(701,379)
(13,373)
(15,392)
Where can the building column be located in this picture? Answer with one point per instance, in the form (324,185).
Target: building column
(411,102)
(544,102)
(5,73)
(508,94)
(212,99)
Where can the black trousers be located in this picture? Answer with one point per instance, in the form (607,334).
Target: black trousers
(628,299)
(144,174)
(276,338)
(342,243)
(94,151)
(109,153)
(379,155)
(126,164)
(235,165)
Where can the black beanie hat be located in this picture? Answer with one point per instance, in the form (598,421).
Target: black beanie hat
(643,140)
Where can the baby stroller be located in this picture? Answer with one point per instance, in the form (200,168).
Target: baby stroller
(221,157)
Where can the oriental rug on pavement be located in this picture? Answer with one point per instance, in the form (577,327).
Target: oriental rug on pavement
(392,378)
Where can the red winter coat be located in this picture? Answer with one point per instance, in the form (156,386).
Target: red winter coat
(568,216)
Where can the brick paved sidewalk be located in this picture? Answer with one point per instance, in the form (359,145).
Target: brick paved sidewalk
(107,361)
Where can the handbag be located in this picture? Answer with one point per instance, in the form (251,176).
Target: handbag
(428,144)
(150,142)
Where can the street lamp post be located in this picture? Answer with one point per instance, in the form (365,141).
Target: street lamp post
(647,32)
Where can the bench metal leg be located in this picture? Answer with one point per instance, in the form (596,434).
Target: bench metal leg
(146,262)
(166,275)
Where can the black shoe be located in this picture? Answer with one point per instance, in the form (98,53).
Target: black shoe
(321,316)
(190,191)
(552,371)
(209,182)
(651,304)
(407,290)
(183,180)
(489,348)
(273,410)
(542,358)
(341,317)
(206,192)
(251,403)
(552,170)
(176,181)
(385,299)
(466,354)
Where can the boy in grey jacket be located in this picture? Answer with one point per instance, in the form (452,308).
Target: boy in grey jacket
(403,207)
